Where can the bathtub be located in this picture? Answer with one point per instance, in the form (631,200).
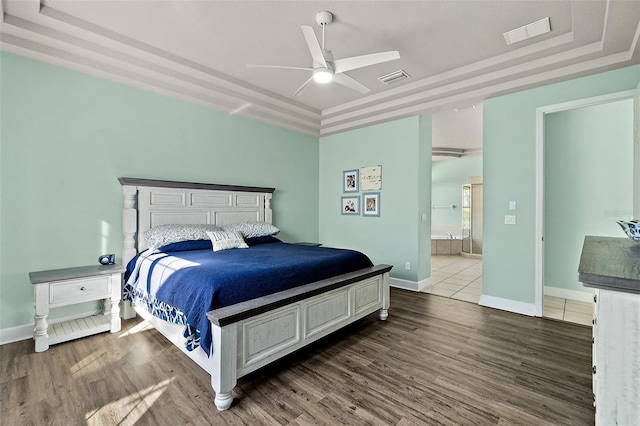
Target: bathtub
(446,245)
(446,237)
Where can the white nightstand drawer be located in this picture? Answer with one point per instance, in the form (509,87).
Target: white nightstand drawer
(82,290)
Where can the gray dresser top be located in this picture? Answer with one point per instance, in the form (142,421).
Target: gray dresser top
(610,264)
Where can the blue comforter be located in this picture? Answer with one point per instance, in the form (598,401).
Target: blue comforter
(198,281)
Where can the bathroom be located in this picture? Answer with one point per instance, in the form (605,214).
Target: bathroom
(456,211)
(456,183)
(456,218)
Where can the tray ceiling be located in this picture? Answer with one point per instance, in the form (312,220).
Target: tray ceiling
(454,51)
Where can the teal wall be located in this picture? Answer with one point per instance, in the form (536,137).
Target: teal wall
(509,136)
(403,148)
(448,176)
(586,190)
(66,137)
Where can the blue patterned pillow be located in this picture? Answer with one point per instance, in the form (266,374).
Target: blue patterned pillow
(166,234)
(252,229)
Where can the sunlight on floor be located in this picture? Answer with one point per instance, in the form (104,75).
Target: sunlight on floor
(142,326)
(87,365)
(129,409)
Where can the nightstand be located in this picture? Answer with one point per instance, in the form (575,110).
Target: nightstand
(64,287)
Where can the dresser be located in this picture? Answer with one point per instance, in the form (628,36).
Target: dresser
(612,267)
(63,287)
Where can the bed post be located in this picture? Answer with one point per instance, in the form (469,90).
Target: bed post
(267,208)
(224,349)
(129,228)
(384,311)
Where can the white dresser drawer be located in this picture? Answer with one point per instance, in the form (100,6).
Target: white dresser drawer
(81,290)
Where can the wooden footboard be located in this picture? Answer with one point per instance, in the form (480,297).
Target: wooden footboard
(252,334)
(249,335)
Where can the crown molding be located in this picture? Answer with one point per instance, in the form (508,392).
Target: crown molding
(52,36)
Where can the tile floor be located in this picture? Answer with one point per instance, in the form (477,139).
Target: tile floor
(568,310)
(460,278)
(456,277)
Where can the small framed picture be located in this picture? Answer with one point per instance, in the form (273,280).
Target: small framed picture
(350,180)
(371,204)
(350,205)
(371,178)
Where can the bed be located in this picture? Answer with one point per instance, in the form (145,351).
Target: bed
(241,336)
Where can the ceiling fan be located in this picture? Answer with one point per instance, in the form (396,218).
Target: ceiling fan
(325,69)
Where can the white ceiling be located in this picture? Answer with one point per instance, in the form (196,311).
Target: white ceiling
(458,131)
(454,51)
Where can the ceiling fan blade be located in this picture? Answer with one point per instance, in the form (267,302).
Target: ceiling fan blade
(314,46)
(346,64)
(349,82)
(279,66)
(304,85)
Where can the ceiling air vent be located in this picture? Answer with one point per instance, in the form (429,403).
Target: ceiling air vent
(533,29)
(394,77)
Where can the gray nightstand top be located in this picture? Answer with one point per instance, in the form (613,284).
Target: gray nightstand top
(71,273)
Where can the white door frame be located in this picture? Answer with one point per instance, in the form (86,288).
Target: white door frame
(540,114)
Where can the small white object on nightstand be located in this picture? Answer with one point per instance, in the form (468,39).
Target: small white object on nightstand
(63,287)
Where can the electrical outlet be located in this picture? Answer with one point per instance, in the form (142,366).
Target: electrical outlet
(509,219)
(407,266)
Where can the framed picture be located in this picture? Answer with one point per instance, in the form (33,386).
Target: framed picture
(350,205)
(371,204)
(371,178)
(350,180)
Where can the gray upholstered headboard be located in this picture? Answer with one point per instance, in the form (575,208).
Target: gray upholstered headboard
(149,203)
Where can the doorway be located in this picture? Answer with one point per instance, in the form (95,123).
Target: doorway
(456,162)
(583,187)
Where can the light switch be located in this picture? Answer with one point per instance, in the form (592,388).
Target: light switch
(509,219)
(424,217)
(512,205)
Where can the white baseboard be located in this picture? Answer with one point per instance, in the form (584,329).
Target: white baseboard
(24,332)
(410,285)
(15,334)
(508,305)
(580,296)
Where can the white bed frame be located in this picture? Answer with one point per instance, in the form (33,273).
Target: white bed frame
(248,335)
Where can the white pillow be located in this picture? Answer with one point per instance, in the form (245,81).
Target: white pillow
(223,240)
(252,229)
(174,233)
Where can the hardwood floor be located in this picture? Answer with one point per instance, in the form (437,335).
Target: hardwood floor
(434,361)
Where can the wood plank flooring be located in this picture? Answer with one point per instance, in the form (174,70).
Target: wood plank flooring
(435,361)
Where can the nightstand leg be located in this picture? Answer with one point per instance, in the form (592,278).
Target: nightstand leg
(111,309)
(40,334)
(41,305)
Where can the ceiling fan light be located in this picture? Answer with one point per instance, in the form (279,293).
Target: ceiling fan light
(322,75)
